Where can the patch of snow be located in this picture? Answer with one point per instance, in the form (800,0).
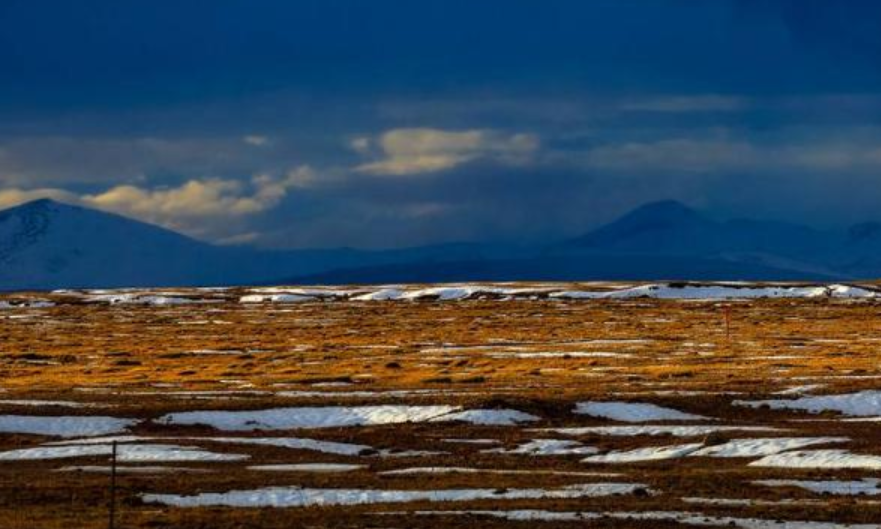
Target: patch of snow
(763,447)
(304,497)
(727,291)
(29,304)
(296,443)
(64,426)
(860,404)
(56,403)
(819,459)
(468,470)
(308,467)
(385,294)
(738,502)
(125,453)
(866,486)
(134,298)
(275,298)
(120,439)
(309,417)
(633,412)
(468,291)
(651,453)
(488,417)
(685,518)
(800,390)
(672,430)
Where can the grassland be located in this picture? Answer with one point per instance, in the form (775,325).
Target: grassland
(538,356)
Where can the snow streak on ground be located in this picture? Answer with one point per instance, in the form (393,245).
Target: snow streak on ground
(686,518)
(304,497)
(764,447)
(524,405)
(633,412)
(866,486)
(861,404)
(64,426)
(315,417)
(687,291)
(657,430)
(652,453)
(832,459)
(125,453)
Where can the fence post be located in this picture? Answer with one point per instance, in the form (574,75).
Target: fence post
(112,520)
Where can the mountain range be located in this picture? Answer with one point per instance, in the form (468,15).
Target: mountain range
(48,245)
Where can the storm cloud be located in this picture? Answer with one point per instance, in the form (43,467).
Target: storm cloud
(394,123)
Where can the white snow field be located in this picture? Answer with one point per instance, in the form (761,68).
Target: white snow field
(656,430)
(651,453)
(832,459)
(860,404)
(633,412)
(763,447)
(722,291)
(321,468)
(308,417)
(865,486)
(339,416)
(276,298)
(488,417)
(136,298)
(295,443)
(125,453)
(64,426)
(465,291)
(304,497)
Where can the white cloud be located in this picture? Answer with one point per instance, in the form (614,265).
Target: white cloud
(13,197)
(425,150)
(361,145)
(192,207)
(256,140)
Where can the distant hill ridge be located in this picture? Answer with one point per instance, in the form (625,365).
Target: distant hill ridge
(45,244)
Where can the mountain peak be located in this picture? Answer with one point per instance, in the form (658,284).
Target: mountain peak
(647,224)
(41,202)
(663,211)
(40,205)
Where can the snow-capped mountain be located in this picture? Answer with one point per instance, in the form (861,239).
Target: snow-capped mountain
(46,245)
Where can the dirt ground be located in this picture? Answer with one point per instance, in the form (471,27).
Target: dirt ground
(538,356)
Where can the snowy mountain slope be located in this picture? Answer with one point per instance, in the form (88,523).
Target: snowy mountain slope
(46,244)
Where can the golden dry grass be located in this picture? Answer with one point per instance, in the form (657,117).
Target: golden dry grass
(473,353)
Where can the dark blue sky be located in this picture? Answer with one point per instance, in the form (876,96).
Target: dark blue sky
(388,123)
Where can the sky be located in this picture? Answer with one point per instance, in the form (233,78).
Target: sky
(390,123)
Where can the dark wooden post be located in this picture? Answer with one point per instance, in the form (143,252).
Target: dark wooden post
(112,520)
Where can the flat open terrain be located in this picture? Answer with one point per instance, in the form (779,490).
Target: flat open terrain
(515,407)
